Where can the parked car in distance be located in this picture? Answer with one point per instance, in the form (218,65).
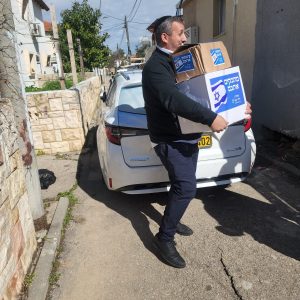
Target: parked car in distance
(128,162)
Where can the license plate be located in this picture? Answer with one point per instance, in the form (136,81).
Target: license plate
(205,141)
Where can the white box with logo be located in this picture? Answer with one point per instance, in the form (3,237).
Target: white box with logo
(221,91)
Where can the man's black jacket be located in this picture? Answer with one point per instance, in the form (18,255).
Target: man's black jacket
(164,102)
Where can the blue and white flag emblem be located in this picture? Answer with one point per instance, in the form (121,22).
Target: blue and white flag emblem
(220,95)
(227,92)
(183,63)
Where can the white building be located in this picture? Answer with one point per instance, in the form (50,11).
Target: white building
(36,48)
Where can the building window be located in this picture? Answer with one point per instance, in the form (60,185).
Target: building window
(219,17)
(32,62)
(48,60)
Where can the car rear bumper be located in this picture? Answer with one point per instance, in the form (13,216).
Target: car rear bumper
(165,186)
(154,179)
(142,180)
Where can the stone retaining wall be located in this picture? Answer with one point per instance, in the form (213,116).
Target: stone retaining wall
(17,234)
(60,119)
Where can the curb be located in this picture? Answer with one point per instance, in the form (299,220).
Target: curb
(39,287)
(286,166)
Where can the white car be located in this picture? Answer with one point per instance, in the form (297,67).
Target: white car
(130,165)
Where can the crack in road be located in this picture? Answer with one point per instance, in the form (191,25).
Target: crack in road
(230,277)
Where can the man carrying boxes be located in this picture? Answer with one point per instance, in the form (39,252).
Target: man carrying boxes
(165,104)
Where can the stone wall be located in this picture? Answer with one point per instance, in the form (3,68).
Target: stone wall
(17,234)
(60,119)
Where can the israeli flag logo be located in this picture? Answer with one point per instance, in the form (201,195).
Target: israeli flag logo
(178,64)
(217,56)
(220,94)
(183,63)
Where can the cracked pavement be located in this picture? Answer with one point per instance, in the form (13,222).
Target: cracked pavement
(246,242)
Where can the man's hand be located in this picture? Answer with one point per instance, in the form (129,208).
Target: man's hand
(219,124)
(248,111)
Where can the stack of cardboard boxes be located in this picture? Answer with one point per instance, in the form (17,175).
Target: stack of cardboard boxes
(204,73)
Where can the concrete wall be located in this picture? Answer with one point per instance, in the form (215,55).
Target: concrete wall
(17,234)
(60,119)
(276,87)
(239,36)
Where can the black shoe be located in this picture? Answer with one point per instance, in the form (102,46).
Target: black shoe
(168,253)
(183,230)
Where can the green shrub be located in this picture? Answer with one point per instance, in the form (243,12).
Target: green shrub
(51,85)
(69,82)
(32,88)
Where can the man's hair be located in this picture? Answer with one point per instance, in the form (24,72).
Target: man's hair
(165,27)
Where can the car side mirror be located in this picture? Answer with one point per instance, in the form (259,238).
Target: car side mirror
(103,97)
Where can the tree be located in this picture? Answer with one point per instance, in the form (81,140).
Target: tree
(140,50)
(83,20)
(116,58)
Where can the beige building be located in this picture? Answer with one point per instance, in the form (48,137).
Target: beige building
(262,39)
(218,20)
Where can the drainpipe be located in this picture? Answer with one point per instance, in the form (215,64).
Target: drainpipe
(81,111)
(179,8)
(234,23)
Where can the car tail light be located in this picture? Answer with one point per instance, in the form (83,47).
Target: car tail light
(247,124)
(115,133)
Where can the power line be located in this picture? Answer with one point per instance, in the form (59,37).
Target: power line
(136,10)
(113,27)
(106,15)
(137,22)
(122,37)
(132,9)
(144,23)
(136,28)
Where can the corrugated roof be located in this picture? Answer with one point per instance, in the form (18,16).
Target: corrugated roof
(42,4)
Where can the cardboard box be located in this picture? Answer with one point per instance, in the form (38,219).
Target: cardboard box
(197,59)
(221,91)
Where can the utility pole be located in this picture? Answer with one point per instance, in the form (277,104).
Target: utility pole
(127,36)
(72,56)
(57,47)
(118,57)
(81,59)
(12,88)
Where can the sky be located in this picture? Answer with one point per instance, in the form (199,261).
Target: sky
(140,14)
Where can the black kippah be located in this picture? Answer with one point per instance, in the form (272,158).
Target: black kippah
(153,26)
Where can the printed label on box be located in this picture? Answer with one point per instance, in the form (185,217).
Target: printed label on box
(184,63)
(227,92)
(217,56)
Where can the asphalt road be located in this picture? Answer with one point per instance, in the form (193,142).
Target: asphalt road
(246,242)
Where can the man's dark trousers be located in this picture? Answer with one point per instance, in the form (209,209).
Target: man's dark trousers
(180,160)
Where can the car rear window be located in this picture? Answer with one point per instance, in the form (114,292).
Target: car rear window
(131,100)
